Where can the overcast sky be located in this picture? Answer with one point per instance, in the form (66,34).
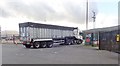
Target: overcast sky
(57,12)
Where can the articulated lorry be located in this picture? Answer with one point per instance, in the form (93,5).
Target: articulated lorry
(39,35)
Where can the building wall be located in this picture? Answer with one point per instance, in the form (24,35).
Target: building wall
(9,34)
(108,40)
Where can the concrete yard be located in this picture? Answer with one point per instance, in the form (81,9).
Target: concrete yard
(59,54)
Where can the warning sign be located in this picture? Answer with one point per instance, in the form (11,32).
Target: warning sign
(118,38)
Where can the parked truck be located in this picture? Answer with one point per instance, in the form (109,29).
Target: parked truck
(39,35)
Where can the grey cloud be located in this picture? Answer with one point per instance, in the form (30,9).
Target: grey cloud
(38,11)
(4,13)
(42,11)
(76,12)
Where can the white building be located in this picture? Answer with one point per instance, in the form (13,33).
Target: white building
(9,34)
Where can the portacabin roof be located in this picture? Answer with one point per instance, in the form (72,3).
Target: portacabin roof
(39,25)
(103,29)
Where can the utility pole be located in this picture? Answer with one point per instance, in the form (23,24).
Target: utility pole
(94,17)
(87,15)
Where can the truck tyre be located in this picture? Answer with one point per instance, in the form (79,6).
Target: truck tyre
(43,44)
(28,46)
(49,44)
(69,43)
(75,41)
(79,41)
(36,45)
(72,42)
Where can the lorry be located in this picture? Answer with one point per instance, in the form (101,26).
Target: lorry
(39,35)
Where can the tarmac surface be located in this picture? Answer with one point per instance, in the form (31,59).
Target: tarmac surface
(59,54)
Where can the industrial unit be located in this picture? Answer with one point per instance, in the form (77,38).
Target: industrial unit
(44,35)
(107,38)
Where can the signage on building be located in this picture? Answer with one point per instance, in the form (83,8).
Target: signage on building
(118,38)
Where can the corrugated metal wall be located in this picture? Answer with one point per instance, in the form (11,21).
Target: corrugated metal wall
(43,33)
(29,30)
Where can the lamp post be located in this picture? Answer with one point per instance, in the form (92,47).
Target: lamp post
(86,14)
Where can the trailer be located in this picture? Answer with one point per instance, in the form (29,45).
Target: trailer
(44,36)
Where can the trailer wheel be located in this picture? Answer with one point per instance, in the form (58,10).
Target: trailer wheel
(49,44)
(36,44)
(43,44)
(28,46)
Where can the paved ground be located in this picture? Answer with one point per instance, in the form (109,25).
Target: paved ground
(74,54)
